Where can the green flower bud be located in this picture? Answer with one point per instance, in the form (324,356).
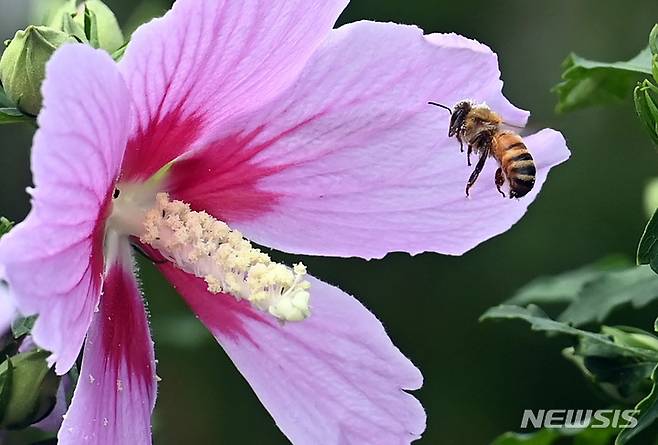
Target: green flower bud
(91,18)
(651,197)
(653,40)
(631,337)
(22,66)
(647,108)
(28,389)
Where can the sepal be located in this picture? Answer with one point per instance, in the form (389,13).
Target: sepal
(93,20)
(22,66)
(28,389)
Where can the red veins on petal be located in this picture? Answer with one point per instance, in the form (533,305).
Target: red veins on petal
(162,140)
(222,179)
(123,324)
(220,312)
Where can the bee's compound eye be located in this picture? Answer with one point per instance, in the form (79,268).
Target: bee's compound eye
(116,193)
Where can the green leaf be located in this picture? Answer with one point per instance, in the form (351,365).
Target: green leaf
(647,251)
(586,436)
(594,437)
(619,373)
(14,116)
(637,286)
(539,321)
(592,292)
(541,437)
(5,226)
(5,387)
(22,326)
(648,408)
(562,288)
(587,83)
(619,361)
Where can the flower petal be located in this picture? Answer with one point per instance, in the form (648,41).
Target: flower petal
(54,259)
(352,161)
(208,60)
(115,394)
(333,378)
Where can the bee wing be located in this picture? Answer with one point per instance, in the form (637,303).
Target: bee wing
(507,124)
(518,129)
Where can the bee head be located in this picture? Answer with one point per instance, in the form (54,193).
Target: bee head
(459,113)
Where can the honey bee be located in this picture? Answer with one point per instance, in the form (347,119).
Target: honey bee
(482,131)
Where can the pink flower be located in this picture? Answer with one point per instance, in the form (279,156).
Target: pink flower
(304,138)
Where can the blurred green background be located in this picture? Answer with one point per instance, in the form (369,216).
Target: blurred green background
(478,377)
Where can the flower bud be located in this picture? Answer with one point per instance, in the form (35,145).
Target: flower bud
(645,95)
(22,66)
(28,389)
(651,197)
(94,18)
(631,337)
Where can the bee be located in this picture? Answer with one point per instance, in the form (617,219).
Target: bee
(482,131)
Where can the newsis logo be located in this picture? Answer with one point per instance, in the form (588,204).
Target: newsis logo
(579,418)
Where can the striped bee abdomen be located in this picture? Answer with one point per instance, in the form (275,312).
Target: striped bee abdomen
(517,163)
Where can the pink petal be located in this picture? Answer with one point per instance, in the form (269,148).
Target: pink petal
(333,378)
(210,60)
(352,161)
(54,259)
(115,394)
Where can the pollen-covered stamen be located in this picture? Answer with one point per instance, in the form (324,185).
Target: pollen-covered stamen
(207,248)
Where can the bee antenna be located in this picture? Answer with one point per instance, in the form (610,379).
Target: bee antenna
(442,106)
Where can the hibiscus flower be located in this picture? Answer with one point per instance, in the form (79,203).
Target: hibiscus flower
(230,122)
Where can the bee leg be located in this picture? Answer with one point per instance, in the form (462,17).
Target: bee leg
(500,180)
(478,168)
(468,154)
(461,144)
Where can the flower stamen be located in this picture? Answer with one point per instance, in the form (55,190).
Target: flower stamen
(209,249)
